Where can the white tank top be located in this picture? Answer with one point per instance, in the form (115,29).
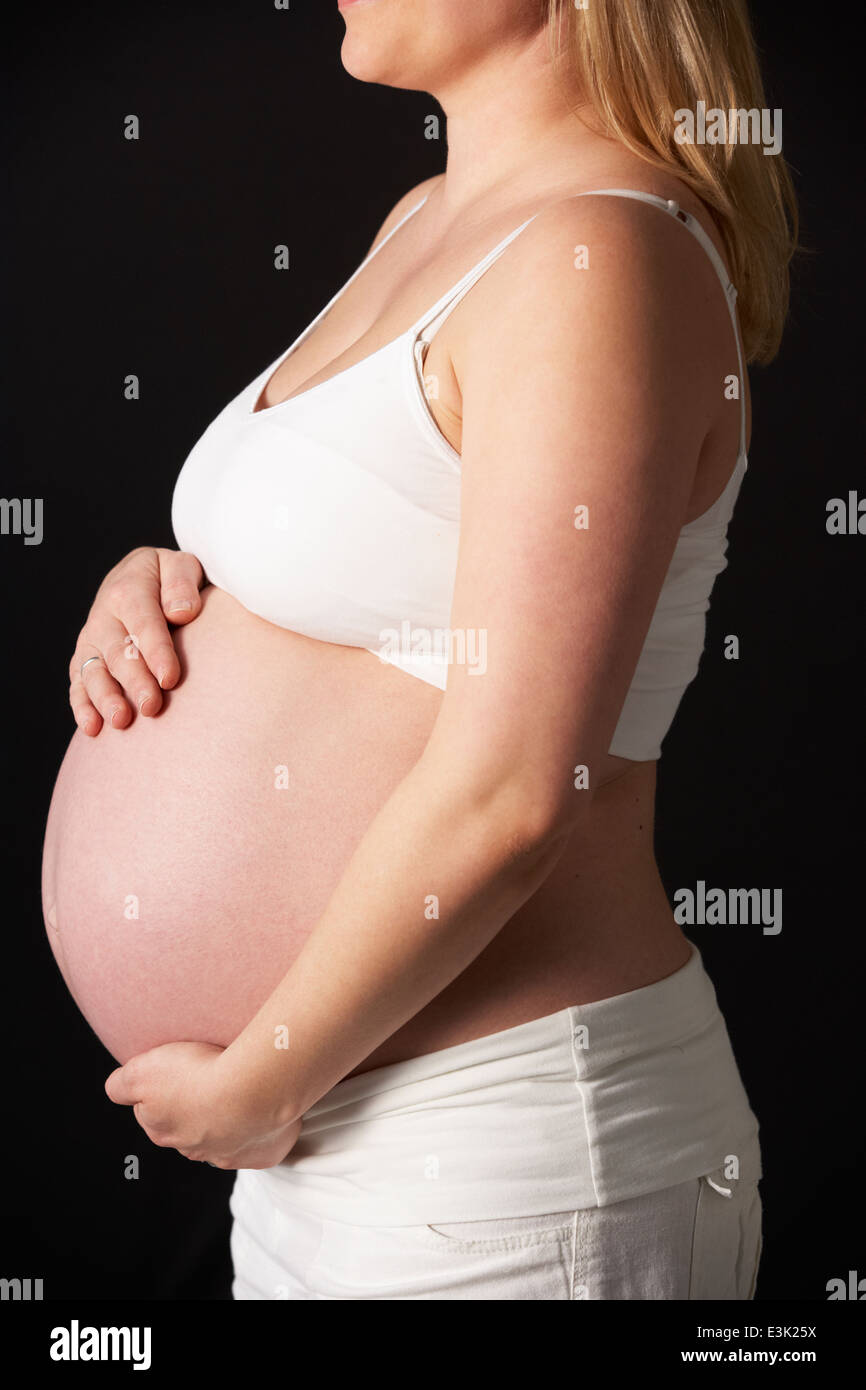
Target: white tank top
(336,513)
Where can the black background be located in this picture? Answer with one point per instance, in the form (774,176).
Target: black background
(156,257)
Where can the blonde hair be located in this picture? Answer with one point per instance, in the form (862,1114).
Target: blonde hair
(638,63)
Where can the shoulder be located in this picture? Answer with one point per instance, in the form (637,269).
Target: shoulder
(605,332)
(606,271)
(405,205)
(638,205)
(592,245)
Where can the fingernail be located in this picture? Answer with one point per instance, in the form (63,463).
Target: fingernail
(143,701)
(163,676)
(116,710)
(179,605)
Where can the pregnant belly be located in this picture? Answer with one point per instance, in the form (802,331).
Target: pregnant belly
(187,857)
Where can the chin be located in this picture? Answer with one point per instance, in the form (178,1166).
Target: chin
(429,45)
(420,45)
(379,37)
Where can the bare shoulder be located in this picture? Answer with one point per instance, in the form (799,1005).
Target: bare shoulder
(404,205)
(632,244)
(602,269)
(577,252)
(594,303)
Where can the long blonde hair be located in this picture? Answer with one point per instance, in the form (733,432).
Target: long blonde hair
(637,63)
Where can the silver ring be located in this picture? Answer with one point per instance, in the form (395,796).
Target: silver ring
(87,663)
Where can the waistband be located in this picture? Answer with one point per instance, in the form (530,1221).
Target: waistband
(585,1107)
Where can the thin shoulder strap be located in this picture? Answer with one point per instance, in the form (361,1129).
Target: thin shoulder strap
(369,256)
(305,333)
(673,208)
(670,206)
(425,327)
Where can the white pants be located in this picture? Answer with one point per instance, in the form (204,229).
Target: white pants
(607,1151)
(684,1242)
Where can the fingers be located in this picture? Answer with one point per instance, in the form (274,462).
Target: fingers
(94,695)
(119,1087)
(180,582)
(180,575)
(87,717)
(113,685)
(142,599)
(137,648)
(127,630)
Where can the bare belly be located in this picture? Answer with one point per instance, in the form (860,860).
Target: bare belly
(188,857)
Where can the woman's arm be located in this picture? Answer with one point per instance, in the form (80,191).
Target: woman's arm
(598,395)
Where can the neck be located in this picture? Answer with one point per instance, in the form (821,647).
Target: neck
(512,129)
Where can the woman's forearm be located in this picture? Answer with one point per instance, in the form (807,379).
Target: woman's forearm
(434,879)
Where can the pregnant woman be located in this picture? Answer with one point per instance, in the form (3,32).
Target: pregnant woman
(369,911)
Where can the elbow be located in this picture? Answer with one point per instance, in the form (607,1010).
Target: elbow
(531,822)
(522,807)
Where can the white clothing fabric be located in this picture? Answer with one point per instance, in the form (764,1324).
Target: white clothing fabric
(540,1129)
(336,513)
(689,1242)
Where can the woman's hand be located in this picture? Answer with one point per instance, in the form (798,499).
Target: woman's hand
(126,629)
(184,1098)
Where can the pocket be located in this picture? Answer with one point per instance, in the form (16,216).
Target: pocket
(726,1240)
(505,1233)
(513,1258)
